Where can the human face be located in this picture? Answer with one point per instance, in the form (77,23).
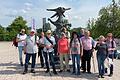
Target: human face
(48,34)
(75,36)
(32,33)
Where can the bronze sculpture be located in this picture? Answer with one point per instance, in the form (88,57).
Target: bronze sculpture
(59,23)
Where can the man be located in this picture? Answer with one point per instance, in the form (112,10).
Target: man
(49,42)
(88,44)
(21,40)
(81,35)
(31,49)
(41,46)
(67,33)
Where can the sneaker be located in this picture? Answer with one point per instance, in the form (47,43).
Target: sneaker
(24,72)
(32,71)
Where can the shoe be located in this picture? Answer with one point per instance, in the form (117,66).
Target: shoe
(21,63)
(110,75)
(54,72)
(29,63)
(61,71)
(99,76)
(46,71)
(78,73)
(32,71)
(102,76)
(83,71)
(24,72)
(68,70)
(89,72)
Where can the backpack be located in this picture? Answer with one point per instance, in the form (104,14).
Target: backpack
(15,43)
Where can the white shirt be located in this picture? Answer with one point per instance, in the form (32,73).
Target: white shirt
(21,37)
(47,43)
(31,46)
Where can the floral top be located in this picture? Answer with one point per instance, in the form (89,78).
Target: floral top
(75,46)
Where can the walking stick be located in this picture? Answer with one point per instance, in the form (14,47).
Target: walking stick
(48,62)
(93,63)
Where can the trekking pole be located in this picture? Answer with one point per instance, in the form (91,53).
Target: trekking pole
(49,62)
(93,63)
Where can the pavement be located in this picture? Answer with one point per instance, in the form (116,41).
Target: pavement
(10,68)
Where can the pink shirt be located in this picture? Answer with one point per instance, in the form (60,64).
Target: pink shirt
(87,43)
(63,46)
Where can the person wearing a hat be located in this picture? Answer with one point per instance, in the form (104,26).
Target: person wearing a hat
(21,40)
(31,49)
(49,42)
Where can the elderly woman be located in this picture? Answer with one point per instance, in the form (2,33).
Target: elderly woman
(102,51)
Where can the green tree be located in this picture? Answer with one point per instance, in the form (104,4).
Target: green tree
(108,21)
(15,27)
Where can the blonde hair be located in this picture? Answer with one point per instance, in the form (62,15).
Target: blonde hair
(101,37)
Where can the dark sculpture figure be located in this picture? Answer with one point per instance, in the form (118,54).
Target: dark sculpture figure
(59,23)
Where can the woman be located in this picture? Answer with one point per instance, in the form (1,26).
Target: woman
(63,49)
(76,51)
(102,51)
(111,48)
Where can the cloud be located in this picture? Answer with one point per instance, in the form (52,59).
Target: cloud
(28,4)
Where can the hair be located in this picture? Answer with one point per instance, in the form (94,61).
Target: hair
(73,37)
(101,36)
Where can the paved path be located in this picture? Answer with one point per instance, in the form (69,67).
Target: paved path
(11,70)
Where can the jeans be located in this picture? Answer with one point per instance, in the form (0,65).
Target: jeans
(20,49)
(28,56)
(77,57)
(49,62)
(100,60)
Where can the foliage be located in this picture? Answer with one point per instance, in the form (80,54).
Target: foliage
(108,21)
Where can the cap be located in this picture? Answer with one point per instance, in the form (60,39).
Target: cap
(32,30)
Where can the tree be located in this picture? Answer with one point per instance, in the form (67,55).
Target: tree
(15,27)
(108,21)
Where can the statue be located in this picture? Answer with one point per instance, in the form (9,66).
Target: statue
(59,23)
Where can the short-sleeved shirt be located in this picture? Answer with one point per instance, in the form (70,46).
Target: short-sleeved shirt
(88,43)
(47,43)
(21,37)
(31,44)
(63,46)
(75,46)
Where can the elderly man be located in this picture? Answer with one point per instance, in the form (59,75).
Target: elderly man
(88,45)
(49,42)
(31,49)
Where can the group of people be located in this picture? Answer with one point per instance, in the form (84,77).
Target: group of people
(77,47)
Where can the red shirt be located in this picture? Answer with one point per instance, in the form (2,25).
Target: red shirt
(63,46)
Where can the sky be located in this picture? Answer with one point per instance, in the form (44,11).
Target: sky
(81,10)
